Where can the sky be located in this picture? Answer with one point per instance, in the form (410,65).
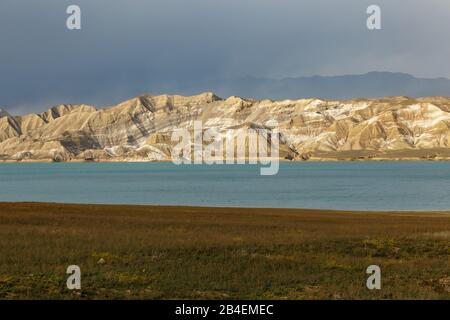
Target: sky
(129,47)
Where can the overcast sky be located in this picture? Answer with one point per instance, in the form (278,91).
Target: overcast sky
(128,47)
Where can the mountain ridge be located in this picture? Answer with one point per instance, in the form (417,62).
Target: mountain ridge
(374,84)
(139,129)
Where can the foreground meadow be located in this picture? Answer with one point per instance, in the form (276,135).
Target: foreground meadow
(145,252)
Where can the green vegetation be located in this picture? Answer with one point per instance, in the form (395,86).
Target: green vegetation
(128,252)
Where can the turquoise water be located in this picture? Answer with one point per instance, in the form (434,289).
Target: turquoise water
(336,185)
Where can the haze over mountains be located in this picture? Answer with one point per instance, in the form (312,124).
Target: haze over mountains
(140,129)
(369,85)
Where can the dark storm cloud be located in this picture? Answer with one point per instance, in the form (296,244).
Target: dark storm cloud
(127,47)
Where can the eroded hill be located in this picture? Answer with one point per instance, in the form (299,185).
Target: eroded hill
(140,129)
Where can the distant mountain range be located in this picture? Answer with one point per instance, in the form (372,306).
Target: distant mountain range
(369,85)
(336,117)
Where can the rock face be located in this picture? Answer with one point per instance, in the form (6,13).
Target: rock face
(140,129)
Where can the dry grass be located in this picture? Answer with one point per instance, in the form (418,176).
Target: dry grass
(219,253)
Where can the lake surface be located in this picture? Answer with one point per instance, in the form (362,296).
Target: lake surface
(334,185)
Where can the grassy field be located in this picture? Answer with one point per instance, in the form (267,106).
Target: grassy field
(128,252)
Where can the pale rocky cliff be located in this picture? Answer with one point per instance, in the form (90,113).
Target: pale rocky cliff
(140,129)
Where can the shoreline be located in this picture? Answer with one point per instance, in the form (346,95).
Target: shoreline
(199,208)
(313,160)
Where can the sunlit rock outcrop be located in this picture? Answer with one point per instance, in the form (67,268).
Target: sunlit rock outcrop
(140,129)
